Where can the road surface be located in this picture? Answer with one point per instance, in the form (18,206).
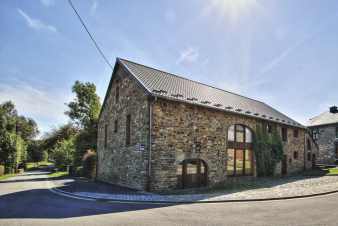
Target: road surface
(26,200)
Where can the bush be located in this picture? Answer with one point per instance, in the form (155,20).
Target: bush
(89,164)
(268,150)
(2,170)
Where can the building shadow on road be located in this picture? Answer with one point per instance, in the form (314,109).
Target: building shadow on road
(41,203)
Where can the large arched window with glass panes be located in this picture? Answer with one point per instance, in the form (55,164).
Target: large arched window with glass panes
(239,151)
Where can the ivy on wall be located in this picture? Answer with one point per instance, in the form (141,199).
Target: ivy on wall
(268,150)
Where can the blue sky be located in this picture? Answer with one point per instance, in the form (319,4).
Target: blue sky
(281,52)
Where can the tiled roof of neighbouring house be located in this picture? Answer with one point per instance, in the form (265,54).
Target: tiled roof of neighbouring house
(324,118)
(167,85)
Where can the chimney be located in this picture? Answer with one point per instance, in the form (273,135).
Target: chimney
(334,109)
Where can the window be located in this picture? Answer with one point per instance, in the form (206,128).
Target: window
(105,135)
(117,93)
(309,156)
(115,126)
(337,132)
(295,133)
(239,153)
(308,144)
(284,134)
(336,150)
(315,134)
(295,155)
(128,122)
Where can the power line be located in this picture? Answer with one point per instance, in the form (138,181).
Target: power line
(90,35)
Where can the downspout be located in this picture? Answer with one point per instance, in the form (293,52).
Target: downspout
(151,101)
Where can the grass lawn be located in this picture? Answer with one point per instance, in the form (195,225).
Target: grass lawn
(35,165)
(6,176)
(332,171)
(58,174)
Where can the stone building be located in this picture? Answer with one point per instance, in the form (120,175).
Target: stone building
(159,131)
(324,128)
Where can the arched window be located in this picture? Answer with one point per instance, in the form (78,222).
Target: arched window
(239,152)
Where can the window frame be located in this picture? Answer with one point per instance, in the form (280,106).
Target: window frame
(315,134)
(244,147)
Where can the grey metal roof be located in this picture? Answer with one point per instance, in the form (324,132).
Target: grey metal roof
(324,118)
(167,85)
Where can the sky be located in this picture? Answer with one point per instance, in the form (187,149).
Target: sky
(283,53)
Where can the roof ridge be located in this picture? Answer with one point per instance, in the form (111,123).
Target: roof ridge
(179,76)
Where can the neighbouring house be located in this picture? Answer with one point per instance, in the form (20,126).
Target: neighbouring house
(324,128)
(159,131)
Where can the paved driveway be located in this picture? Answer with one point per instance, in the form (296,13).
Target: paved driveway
(26,200)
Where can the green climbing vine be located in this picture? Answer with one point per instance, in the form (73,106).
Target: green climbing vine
(268,150)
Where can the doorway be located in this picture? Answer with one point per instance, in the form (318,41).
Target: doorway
(192,173)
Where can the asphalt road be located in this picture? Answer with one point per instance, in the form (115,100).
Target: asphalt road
(26,200)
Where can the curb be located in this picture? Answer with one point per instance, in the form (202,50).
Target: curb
(82,197)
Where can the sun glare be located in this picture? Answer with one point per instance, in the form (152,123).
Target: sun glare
(232,9)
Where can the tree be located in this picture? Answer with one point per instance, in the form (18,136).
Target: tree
(26,127)
(15,133)
(35,151)
(63,153)
(57,135)
(84,111)
(85,108)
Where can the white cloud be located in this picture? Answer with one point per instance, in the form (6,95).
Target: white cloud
(47,3)
(44,106)
(35,23)
(188,56)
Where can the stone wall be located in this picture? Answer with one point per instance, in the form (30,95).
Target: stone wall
(178,126)
(119,163)
(326,144)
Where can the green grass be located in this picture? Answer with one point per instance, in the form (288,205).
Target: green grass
(58,174)
(332,171)
(3,177)
(36,165)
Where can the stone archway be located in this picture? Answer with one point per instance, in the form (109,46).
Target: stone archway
(192,173)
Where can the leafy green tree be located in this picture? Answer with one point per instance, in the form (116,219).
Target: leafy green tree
(63,153)
(27,128)
(15,133)
(84,110)
(35,151)
(57,135)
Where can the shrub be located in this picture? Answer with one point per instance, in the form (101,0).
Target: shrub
(89,164)
(268,149)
